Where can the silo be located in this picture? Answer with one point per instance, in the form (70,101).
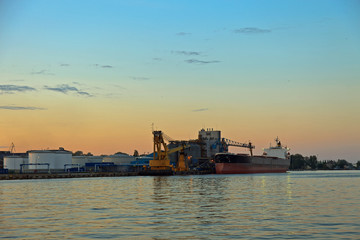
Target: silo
(13,163)
(119,159)
(57,159)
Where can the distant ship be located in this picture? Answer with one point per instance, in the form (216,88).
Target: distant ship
(274,160)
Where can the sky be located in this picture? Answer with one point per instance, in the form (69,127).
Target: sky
(96,76)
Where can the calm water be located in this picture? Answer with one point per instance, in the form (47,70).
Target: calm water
(295,205)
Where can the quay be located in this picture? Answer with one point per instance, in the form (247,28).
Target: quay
(19,176)
(24,176)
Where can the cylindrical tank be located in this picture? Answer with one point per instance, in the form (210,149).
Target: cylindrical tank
(55,158)
(82,160)
(14,162)
(119,159)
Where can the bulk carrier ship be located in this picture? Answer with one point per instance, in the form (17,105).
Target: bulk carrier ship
(274,160)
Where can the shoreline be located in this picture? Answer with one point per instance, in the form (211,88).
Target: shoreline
(24,176)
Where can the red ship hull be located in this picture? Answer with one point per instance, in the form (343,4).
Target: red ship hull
(243,168)
(227,163)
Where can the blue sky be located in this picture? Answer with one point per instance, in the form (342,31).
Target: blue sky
(284,65)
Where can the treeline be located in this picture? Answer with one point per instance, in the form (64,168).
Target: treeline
(299,162)
(81,153)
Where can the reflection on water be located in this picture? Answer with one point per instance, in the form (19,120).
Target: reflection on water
(296,205)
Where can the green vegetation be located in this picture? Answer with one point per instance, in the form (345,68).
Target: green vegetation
(299,162)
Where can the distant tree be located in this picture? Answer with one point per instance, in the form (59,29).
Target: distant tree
(350,166)
(297,162)
(341,163)
(136,153)
(321,165)
(89,154)
(331,164)
(312,162)
(121,153)
(358,164)
(78,153)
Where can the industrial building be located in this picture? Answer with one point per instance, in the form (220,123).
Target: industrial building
(199,151)
(119,159)
(169,155)
(2,155)
(51,160)
(81,161)
(14,162)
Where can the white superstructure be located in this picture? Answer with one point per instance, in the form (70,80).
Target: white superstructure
(57,159)
(278,151)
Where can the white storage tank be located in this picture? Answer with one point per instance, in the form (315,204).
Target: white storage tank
(119,159)
(82,160)
(55,158)
(13,162)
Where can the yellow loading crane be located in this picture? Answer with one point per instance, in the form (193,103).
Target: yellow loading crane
(182,164)
(161,161)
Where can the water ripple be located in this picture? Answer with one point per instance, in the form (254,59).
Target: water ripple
(296,205)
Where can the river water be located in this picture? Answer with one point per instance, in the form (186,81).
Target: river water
(294,205)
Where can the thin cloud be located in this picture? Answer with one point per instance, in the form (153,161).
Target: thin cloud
(21,108)
(11,89)
(42,72)
(64,65)
(65,89)
(38,72)
(196,61)
(103,66)
(187,53)
(252,30)
(118,86)
(140,78)
(200,110)
(84,94)
(183,33)
(17,80)
(157,59)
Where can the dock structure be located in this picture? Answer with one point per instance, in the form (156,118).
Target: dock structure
(24,176)
(19,176)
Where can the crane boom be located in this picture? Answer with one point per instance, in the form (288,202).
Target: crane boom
(172,150)
(227,142)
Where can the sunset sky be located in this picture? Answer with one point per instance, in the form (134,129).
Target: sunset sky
(95,75)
